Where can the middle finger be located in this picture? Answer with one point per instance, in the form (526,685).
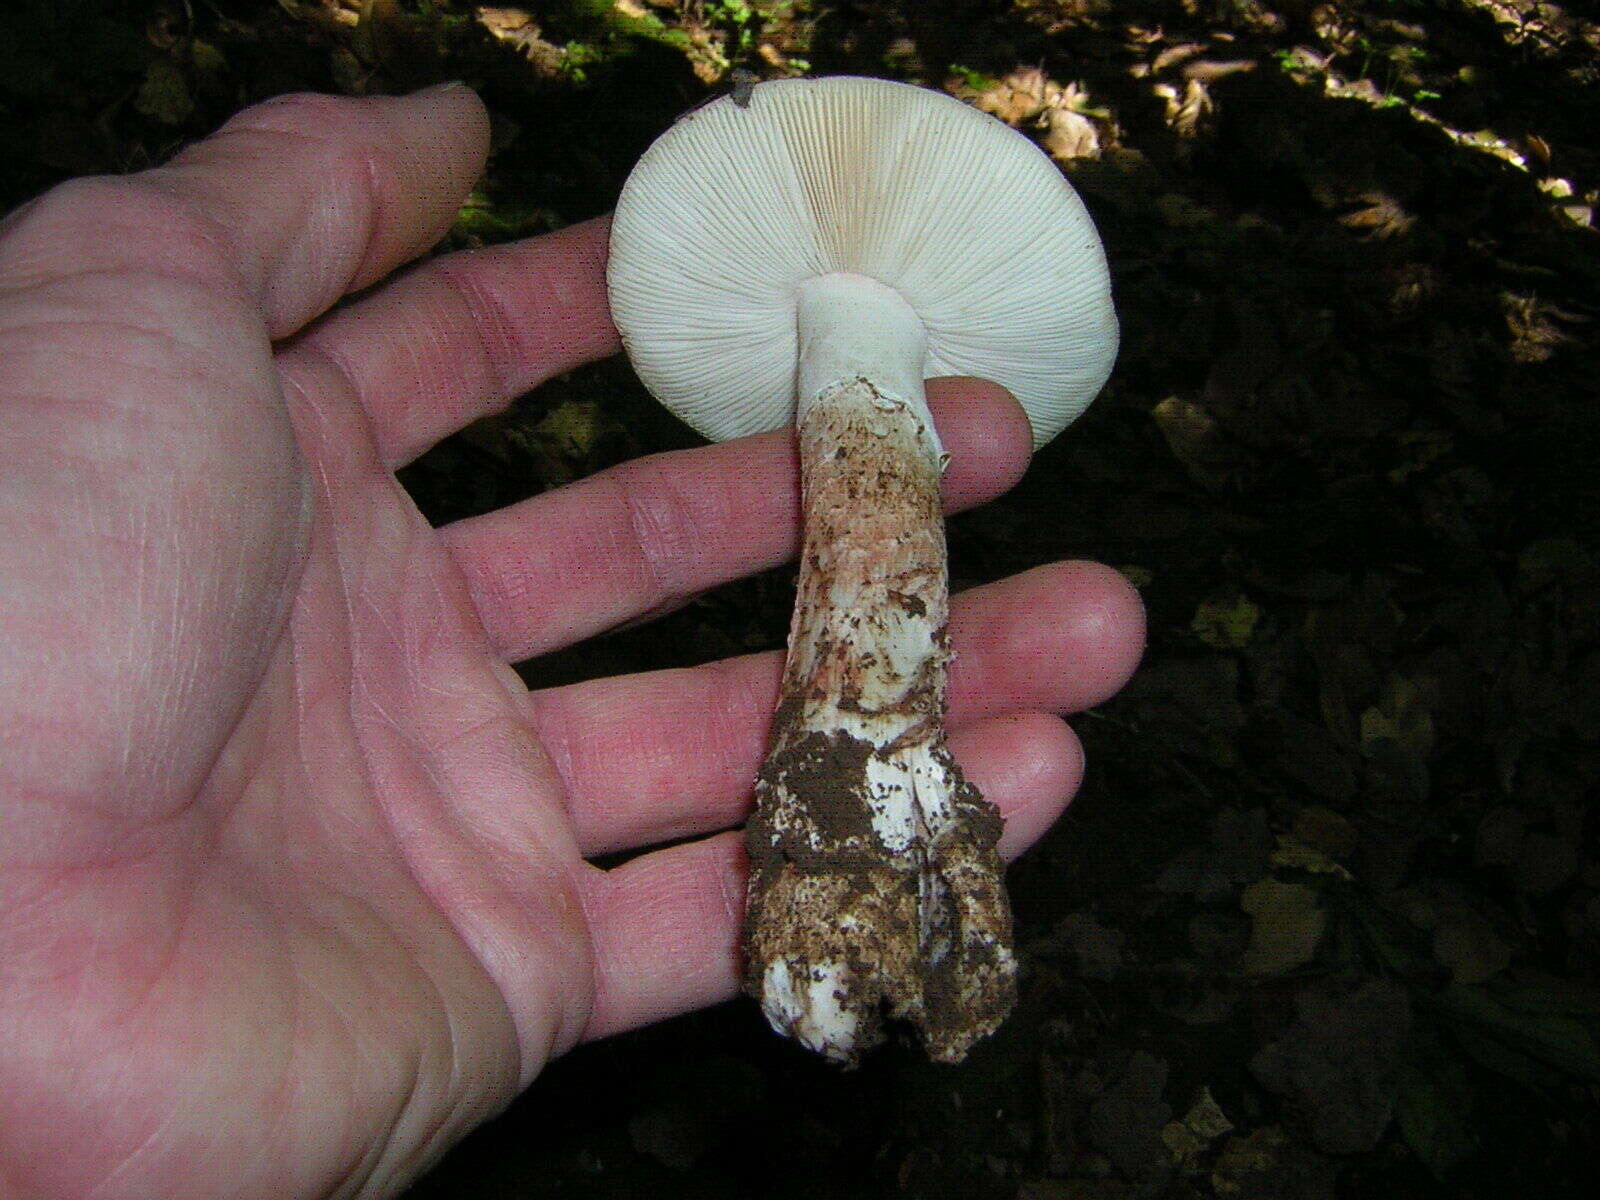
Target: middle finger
(643,536)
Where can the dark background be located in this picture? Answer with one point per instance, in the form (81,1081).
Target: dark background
(1325,920)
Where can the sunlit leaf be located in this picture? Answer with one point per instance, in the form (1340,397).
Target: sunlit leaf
(1287,924)
(1192,1135)
(1226,621)
(164,94)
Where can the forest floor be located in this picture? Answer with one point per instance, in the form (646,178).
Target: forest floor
(1325,919)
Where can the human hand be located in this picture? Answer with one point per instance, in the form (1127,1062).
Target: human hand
(293,888)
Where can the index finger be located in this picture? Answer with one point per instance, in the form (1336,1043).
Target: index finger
(461,336)
(309,197)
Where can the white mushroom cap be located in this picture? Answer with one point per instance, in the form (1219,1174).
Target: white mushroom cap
(734,208)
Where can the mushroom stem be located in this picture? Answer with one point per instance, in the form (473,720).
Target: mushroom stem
(876,888)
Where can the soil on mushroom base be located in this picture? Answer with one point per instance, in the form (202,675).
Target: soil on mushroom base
(828,768)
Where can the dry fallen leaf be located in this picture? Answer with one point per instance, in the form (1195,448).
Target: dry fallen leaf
(1029,97)
(1212,459)
(1020,96)
(1337,1064)
(1186,109)
(1069,135)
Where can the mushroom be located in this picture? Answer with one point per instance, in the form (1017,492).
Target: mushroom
(809,257)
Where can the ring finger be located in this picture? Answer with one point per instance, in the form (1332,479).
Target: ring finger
(1056,639)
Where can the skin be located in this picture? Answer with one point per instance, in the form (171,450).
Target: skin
(293,879)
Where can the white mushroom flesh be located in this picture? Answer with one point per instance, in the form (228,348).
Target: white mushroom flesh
(875,884)
(809,253)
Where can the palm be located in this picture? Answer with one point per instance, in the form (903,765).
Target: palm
(292,878)
(289,858)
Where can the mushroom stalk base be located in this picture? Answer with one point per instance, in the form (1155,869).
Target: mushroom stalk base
(876,890)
